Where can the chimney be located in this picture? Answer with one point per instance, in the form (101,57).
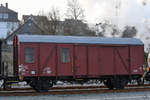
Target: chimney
(6,5)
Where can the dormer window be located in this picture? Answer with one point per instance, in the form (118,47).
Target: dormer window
(4,16)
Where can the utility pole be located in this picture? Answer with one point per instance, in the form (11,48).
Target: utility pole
(117,11)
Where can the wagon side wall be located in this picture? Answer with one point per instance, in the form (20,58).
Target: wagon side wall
(137,59)
(85,60)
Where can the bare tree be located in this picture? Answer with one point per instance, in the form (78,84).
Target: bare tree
(100,29)
(74,11)
(77,27)
(74,24)
(43,22)
(129,31)
(54,15)
(106,28)
(115,31)
(53,21)
(41,13)
(54,18)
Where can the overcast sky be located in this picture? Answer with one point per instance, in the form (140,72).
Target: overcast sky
(129,12)
(95,10)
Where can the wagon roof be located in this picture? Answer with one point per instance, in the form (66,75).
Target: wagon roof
(78,39)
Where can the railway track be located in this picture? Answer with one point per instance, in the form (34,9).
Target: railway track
(74,87)
(72,90)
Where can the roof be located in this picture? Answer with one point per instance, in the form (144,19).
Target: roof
(6,10)
(78,39)
(36,18)
(8,14)
(10,37)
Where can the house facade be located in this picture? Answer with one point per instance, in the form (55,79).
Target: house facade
(8,21)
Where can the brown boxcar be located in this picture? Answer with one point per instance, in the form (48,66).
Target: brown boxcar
(42,60)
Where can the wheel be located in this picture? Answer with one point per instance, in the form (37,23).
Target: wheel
(122,83)
(140,81)
(116,83)
(108,83)
(41,85)
(119,83)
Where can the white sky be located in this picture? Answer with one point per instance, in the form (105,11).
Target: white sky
(130,12)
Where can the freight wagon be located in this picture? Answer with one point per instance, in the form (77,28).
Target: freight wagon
(42,60)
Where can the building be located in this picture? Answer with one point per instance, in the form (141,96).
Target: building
(8,21)
(29,26)
(41,21)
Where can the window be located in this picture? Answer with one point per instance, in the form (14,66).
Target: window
(4,15)
(65,56)
(29,55)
